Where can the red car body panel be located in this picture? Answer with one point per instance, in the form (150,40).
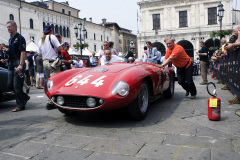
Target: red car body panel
(99,81)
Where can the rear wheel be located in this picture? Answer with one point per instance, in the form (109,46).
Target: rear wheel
(138,109)
(170,91)
(66,112)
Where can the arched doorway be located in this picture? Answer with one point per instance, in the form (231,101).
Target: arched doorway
(160,47)
(210,45)
(188,47)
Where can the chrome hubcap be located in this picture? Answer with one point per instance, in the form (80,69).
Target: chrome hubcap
(143,98)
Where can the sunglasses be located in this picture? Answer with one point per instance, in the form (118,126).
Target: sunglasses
(106,45)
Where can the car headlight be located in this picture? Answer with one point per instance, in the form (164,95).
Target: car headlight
(121,88)
(91,102)
(60,100)
(49,84)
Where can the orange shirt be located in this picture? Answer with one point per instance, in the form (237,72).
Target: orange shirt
(180,56)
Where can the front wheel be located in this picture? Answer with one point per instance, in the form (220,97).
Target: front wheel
(170,91)
(138,109)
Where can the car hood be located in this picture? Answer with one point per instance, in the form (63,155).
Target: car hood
(96,81)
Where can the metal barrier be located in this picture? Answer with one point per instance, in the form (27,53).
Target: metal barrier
(228,71)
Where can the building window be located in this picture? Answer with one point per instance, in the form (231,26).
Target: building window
(53,28)
(31,38)
(212,15)
(101,47)
(11,17)
(56,29)
(101,37)
(125,49)
(60,28)
(95,48)
(44,24)
(156,21)
(120,41)
(64,31)
(107,38)
(183,19)
(63,11)
(31,23)
(68,32)
(69,13)
(94,36)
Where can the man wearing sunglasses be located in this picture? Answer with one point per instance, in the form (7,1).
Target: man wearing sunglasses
(106,46)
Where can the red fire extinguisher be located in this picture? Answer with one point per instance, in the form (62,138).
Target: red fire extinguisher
(212,75)
(214,105)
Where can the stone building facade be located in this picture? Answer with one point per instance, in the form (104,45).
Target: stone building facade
(125,39)
(187,21)
(31,17)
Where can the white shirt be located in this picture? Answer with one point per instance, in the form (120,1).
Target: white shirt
(26,62)
(159,55)
(46,49)
(75,63)
(114,58)
(80,64)
(162,58)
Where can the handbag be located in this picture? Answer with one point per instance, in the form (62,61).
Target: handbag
(58,61)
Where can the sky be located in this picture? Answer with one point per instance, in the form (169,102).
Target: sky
(123,12)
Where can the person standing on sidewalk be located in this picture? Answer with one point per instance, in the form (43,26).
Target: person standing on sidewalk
(30,67)
(49,47)
(39,71)
(177,55)
(66,57)
(93,60)
(130,53)
(16,65)
(203,55)
(151,55)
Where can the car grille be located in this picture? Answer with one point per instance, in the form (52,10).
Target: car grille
(73,101)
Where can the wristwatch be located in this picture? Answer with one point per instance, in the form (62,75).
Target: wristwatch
(21,64)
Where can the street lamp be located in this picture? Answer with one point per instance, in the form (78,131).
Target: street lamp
(220,15)
(131,43)
(81,29)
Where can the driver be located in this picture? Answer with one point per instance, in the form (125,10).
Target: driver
(109,58)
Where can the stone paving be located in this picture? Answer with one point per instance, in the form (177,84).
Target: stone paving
(175,129)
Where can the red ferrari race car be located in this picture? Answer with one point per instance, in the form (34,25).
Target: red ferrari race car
(109,87)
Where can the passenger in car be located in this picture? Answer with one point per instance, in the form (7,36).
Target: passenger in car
(108,58)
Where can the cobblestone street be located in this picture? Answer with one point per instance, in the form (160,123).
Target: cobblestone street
(176,129)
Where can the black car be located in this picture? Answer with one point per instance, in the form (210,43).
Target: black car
(5,93)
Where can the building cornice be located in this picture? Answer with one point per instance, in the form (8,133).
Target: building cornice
(164,3)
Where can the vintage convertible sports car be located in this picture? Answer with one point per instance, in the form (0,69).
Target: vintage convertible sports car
(5,93)
(109,87)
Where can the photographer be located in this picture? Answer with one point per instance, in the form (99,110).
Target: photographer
(66,57)
(49,47)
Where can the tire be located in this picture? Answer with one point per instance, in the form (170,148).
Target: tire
(139,107)
(66,112)
(170,91)
(1,95)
